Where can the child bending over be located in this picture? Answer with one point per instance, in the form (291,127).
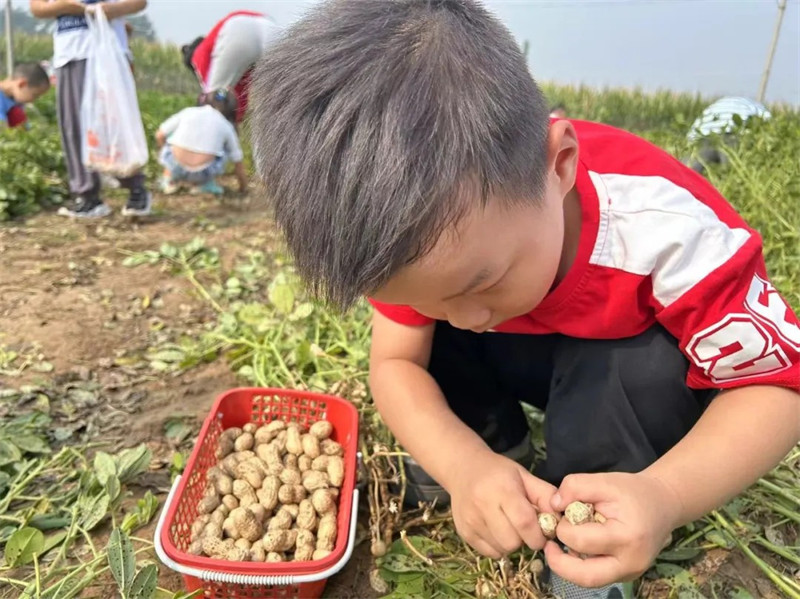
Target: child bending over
(27,82)
(198,142)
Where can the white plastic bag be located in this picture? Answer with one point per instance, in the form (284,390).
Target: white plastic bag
(111,125)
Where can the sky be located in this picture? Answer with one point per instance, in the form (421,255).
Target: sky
(715,47)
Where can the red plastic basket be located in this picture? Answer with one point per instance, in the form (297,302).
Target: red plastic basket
(239,580)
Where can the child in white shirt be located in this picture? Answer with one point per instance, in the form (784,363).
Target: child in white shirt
(198,142)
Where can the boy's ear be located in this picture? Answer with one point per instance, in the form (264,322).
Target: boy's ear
(22,83)
(563,153)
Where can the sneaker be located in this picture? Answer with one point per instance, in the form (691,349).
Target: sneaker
(85,208)
(211,187)
(139,204)
(167,186)
(421,487)
(564,589)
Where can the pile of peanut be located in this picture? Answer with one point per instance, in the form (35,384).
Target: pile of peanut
(272,497)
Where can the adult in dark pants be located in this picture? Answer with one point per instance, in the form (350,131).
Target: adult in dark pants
(70,50)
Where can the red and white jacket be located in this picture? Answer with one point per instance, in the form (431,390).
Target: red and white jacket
(660,244)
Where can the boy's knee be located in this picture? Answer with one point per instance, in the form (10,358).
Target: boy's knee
(618,405)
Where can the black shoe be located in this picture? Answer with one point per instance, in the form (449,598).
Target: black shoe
(421,487)
(140,203)
(83,207)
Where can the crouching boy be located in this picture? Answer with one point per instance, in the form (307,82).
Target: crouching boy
(511,258)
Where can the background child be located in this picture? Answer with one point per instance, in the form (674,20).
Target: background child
(410,156)
(224,58)
(198,142)
(720,120)
(70,49)
(27,82)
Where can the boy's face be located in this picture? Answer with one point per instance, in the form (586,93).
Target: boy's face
(24,93)
(498,262)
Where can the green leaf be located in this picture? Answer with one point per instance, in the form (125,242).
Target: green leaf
(247,372)
(49,521)
(134,260)
(281,294)
(23,546)
(159,366)
(168,250)
(104,467)
(132,462)
(113,487)
(411,589)
(121,560)
(144,583)
(302,354)
(177,430)
(740,593)
(93,510)
(53,540)
(9,454)
(167,355)
(398,577)
(302,311)
(669,570)
(679,554)
(31,444)
(401,563)
(253,314)
(720,539)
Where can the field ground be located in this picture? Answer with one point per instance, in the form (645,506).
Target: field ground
(58,308)
(76,315)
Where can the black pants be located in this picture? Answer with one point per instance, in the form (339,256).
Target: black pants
(610,405)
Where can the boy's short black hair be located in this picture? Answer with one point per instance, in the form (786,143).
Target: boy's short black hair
(558,106)
(223,100)
(33,73)
(378,123)
(187,51)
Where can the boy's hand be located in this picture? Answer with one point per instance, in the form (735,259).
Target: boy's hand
(641,512)
(496,503)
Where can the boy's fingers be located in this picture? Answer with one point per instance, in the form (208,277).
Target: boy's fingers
(505,534)
(484,548)
(478,535)
(525,520)
(590,573)
(590,538)
(539,492)
(589,488)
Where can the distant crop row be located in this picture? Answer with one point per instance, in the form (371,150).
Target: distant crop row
(158,66)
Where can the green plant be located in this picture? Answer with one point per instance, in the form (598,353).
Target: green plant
(32,171)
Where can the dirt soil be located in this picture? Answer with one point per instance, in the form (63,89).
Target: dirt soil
(66,299)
